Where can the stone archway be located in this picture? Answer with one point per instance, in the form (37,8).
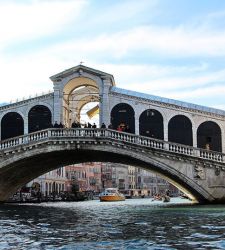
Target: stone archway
(180,130)
(151,124)
(209,136)
(43,161)
(77,93)
(123,113)
(12,125)
(39,117)
(16,170)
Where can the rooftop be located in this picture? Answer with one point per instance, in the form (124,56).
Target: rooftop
(168,101)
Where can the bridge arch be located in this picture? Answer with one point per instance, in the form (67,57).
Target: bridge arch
(151,124)
(75,83)
(209,136)
(12,125)
(86,95)
(180,130)
(19,170)
(123,113)
(77,92)
(39,117)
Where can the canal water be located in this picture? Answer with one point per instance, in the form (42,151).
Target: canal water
(132,224)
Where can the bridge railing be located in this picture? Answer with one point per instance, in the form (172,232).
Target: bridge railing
(76,133)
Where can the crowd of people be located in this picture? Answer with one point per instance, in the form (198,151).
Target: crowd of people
(122,127)
(74,125)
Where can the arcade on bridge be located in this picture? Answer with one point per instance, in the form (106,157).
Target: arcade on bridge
(142,114)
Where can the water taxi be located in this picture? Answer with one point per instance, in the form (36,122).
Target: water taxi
(111,194)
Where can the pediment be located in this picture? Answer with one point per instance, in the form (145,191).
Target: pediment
(80,69)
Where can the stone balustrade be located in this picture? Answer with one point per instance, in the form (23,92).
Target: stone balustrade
(126,138)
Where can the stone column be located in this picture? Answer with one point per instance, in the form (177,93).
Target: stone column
(25,124)
(165,127)
(104,114)
(222,138)
(136,124)
(194,134)
(137,113)
(57,110)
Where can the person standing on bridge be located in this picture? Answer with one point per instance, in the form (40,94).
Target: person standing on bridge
(61,125)
(127,129)
(103,125)
(207,146)
(110,126)
(56,125)
(119,129)
(74,125)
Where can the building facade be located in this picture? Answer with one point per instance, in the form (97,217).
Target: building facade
(51,183)
(96,176)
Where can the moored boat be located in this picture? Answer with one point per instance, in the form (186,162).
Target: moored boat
(111,194)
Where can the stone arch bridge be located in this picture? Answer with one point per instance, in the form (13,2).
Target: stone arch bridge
(198,172)
(183,142)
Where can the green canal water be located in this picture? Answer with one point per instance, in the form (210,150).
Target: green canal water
(132,224)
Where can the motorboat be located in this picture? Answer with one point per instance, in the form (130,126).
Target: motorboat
(111,194)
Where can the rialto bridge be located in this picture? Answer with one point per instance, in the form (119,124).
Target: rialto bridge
(181,141)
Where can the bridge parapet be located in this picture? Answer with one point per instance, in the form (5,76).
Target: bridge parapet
(101,134)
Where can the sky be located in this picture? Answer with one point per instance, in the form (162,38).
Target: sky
(168,48)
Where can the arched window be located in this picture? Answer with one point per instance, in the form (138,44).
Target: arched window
(180,130)
(39,118)
(123,115)
(209,136)
(151,124)
(12,125)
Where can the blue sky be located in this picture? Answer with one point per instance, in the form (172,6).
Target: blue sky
(170,48)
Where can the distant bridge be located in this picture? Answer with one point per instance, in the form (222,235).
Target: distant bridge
(196,171)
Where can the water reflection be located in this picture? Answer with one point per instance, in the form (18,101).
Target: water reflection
(133,224)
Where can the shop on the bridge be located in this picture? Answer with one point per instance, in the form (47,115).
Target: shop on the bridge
(12,125)
(39,117)
(180,130)
(122,118)
(209,136)
(151,124)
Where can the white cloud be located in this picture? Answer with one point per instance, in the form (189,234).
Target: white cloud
(166,41)
(206,92)
(26,74)
(125,11)
(20,21)
(159,78)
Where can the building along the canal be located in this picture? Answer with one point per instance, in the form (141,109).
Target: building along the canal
(95,176)
(51,183)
